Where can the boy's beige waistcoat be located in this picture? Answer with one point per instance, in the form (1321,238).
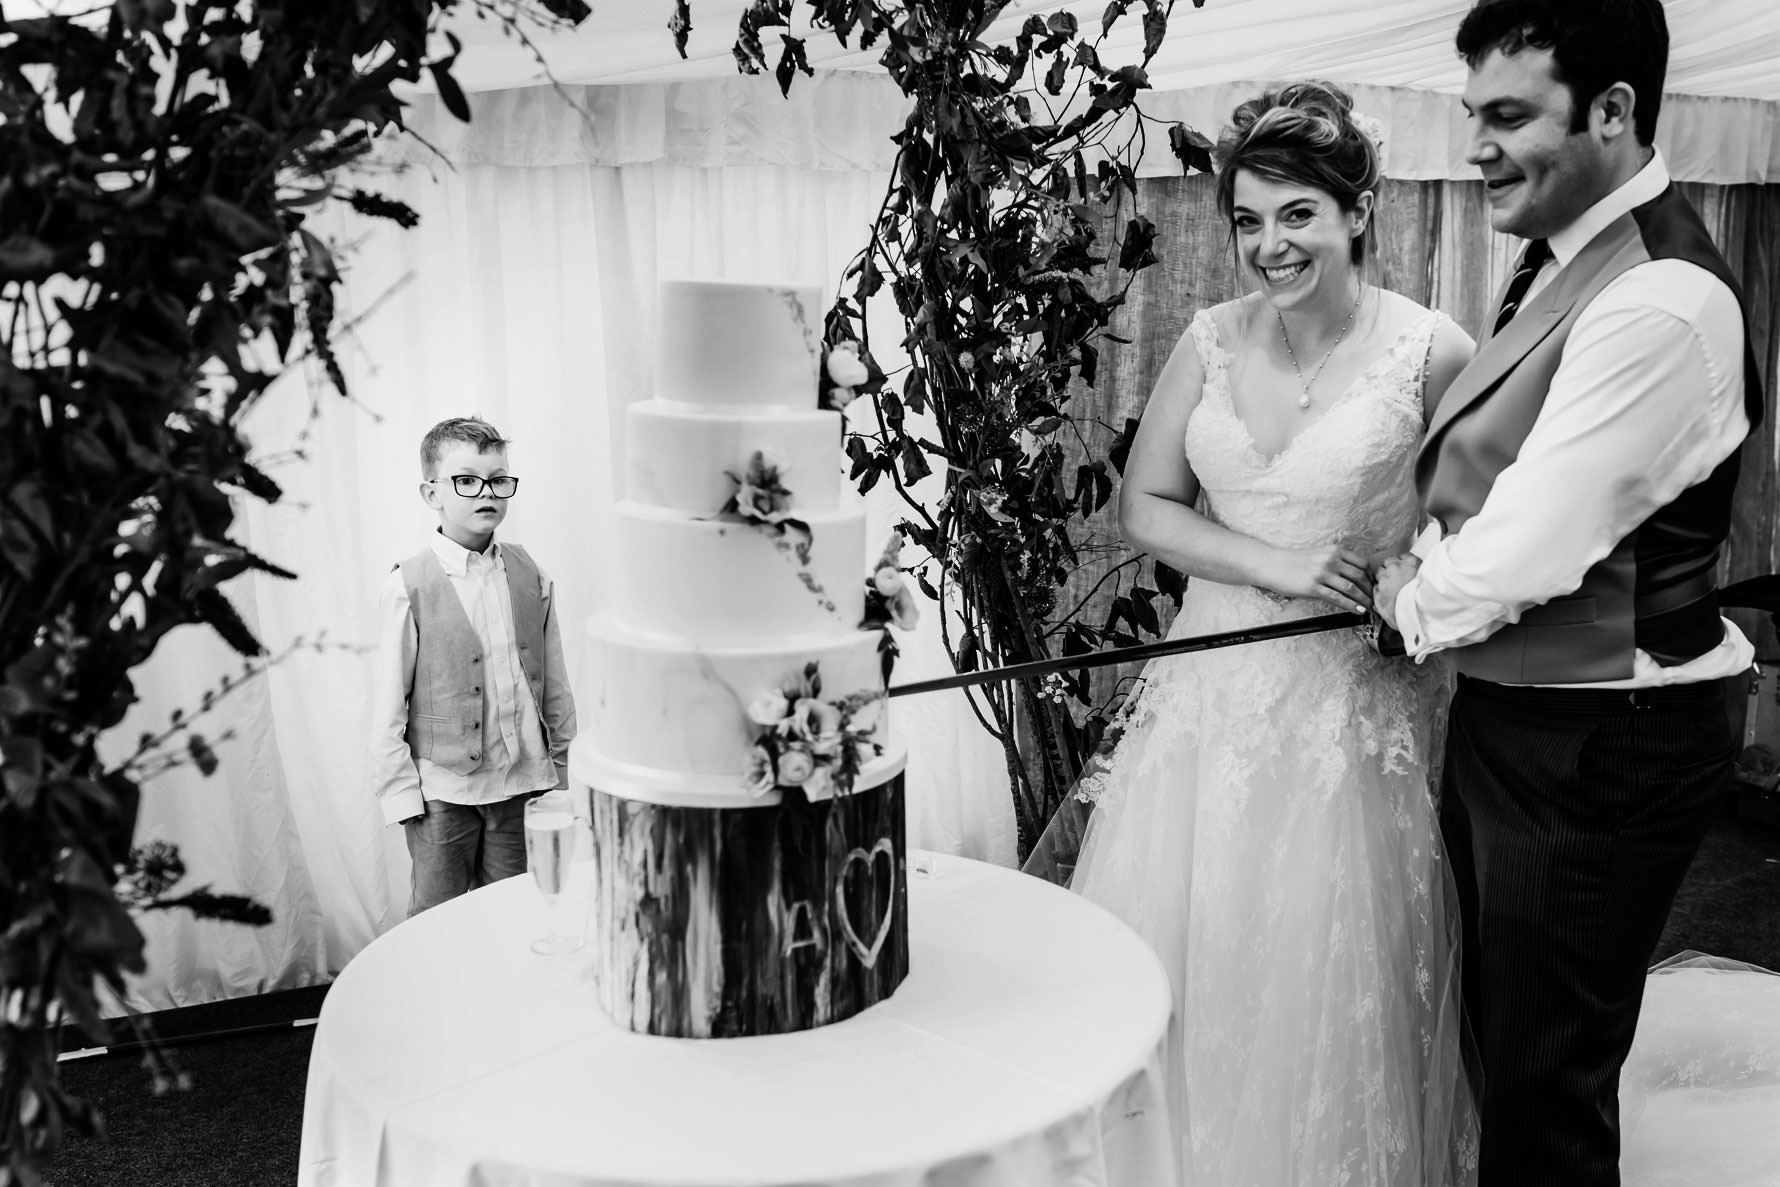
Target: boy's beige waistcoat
(445,705)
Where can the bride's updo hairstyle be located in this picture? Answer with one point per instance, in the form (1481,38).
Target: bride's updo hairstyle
(1302,133)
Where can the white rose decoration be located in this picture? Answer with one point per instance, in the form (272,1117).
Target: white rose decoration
(759,502)
(758,776)
(887,581)
(795,766)
(819,786)
(904,614)
(845,367)
(811,718)
(846,370)
(769,708)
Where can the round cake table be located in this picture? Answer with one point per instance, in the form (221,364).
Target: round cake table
(1023,1050)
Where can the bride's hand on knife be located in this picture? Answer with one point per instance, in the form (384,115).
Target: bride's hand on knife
(1328,571)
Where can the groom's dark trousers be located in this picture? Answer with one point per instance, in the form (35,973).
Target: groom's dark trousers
(1570,816)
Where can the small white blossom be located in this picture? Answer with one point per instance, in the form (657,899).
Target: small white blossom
(819,786)
(758,777)
(795,766)
(769,708)
(845,367)
(904,613)
(760,502)
(811,719)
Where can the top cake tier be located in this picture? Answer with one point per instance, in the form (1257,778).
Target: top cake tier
(738,345)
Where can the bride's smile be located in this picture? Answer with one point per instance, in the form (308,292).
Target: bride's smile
(1297,242)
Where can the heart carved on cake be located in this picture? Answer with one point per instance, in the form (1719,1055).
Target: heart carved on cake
(867,954)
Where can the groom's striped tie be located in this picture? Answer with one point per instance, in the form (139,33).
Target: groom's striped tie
(1537,254)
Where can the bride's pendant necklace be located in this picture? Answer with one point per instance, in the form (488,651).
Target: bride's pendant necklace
(1304,400)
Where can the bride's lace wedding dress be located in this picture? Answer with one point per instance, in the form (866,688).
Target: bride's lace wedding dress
(1266,823)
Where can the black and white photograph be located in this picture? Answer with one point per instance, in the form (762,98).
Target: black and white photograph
(889,593)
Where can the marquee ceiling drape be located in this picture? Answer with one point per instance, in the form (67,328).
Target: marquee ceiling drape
(1724,48)
(1721,120)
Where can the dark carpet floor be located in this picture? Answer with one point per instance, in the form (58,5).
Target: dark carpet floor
(239,1123)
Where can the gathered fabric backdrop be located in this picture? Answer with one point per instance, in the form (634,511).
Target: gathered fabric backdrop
(526,296)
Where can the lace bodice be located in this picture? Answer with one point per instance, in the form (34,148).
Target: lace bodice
(1345,477)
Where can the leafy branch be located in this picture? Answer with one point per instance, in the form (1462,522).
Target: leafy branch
(1008,239)
(159,164)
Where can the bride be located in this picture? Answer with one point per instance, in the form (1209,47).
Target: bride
(1265,821)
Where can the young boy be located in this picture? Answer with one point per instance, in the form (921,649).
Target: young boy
(471,709)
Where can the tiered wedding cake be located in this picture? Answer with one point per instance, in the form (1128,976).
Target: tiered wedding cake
(747,810)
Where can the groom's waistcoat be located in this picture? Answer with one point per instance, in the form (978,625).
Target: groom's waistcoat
(1657,589)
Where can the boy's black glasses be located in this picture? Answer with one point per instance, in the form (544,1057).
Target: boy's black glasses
(471,486)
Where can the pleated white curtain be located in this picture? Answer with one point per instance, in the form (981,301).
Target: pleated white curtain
(526,296)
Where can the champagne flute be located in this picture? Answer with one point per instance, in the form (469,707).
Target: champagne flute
(549,850)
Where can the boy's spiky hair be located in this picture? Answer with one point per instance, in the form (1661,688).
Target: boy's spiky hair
(470,430)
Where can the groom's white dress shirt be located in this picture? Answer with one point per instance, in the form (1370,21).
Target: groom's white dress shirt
(1646,402)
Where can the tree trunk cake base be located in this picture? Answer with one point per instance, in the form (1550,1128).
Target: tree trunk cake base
(722,922)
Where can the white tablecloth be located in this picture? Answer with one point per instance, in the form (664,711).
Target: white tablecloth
(1023,1050)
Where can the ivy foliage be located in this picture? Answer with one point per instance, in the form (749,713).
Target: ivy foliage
(1008,239)
(160,162)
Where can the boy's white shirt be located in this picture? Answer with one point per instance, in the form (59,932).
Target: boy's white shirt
(1623,431)
(515,760)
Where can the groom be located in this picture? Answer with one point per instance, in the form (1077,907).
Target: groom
(1579,476)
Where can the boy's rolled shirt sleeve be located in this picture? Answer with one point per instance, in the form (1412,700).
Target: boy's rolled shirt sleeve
(558,709)
(394,777)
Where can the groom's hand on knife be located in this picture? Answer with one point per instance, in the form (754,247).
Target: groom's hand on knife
(1389,581)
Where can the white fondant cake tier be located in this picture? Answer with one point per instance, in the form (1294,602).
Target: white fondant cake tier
(714,581)
(671,719)
(738,344)
(681,456)
(589,768)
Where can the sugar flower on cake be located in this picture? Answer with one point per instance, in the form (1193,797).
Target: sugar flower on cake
(769,707)
(847,372)
(760,776)
(817,722)
(795,766)
(806,743)
(762,501)
(819,786)
(888,597)
(760,495)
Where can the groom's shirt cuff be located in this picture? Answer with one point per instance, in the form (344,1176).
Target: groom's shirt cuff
(1646,402)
